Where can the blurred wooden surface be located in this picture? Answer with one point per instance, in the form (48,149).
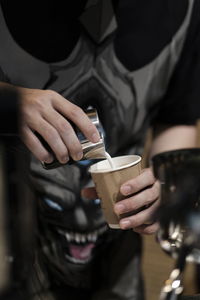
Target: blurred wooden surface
(157,266)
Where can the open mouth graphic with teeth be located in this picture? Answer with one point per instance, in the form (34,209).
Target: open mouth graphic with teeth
(79,246)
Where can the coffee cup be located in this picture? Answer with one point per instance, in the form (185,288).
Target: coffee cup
(108,181)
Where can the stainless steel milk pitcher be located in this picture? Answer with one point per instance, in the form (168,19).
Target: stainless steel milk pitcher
(90,150)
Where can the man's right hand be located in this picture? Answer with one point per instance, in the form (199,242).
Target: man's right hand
(47,113)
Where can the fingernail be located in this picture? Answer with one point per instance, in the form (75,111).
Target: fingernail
(126,189)
(79,155)
(48,159)
(64,159)
(124,224)
(119,208)
(95,138)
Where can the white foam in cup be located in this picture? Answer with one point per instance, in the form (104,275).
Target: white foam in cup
(108,181)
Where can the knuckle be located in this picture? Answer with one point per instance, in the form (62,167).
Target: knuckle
(51,94)
(150,195)
(148,173)
(63,152)
(157,187)
(27,116)
(42,154)
(75,147)
(90,128)
(75,112)
(135,185)
(156,204)
(24,132)
(151,176)
(51,134)
(135,222)
(74,152)
(72,142)
(129,205)
(38,105)
(64,127)
(155,192)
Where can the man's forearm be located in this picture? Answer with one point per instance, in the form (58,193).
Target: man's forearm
(175,137)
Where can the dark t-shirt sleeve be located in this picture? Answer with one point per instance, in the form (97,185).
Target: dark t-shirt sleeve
(181,104)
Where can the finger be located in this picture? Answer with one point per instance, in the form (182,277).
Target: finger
(144,198)
(52,137)
(145,216)
(138,183)
(66,132)
(35,146)
(147,229)
(78,117)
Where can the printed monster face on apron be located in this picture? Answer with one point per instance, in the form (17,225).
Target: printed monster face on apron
(72,228)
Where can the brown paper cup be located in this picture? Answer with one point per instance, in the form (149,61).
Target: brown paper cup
(108,181)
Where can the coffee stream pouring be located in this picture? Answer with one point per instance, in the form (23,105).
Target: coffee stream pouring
(178,172)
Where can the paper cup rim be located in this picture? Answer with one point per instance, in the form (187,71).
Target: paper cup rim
(114,226)
(137,157)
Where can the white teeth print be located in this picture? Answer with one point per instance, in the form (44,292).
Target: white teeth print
(83,238)
(94,237)
(89,237)
(77,261)
(68,237)
(77,238)
(72,237)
